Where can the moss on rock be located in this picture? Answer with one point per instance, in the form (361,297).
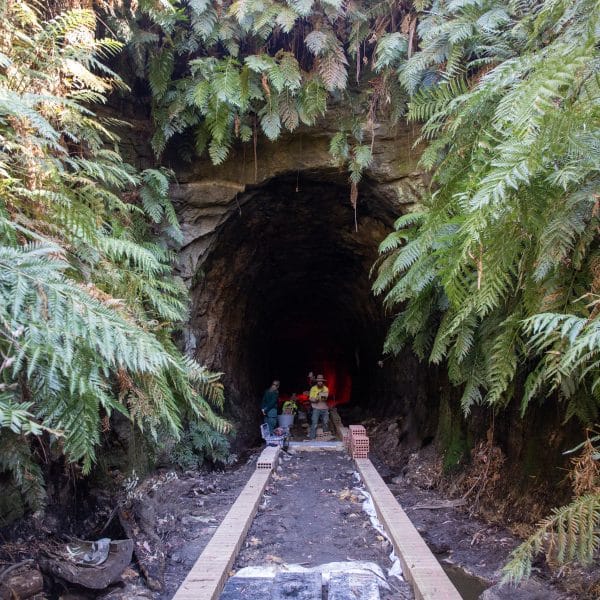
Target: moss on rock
(452,436)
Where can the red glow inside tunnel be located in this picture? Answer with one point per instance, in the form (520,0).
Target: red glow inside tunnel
(339,384)
(295,353)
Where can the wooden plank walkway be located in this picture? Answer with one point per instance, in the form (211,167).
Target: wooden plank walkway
(419,565)
(208,576)
(206,579)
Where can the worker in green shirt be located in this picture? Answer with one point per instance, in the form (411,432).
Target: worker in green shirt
(269,405)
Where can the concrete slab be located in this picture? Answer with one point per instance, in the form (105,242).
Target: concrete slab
(316,445)
(348,586)
(300,586)
(246,588)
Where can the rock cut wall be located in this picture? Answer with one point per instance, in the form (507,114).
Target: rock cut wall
(258,231)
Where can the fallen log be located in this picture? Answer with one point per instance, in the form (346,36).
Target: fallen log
(91,577)
(439,504)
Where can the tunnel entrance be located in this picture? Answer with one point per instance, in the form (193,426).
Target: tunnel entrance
(287,290)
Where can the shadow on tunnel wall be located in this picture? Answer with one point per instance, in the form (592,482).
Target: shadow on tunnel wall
(286,289)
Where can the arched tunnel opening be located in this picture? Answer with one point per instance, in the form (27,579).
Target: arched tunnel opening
(286,289)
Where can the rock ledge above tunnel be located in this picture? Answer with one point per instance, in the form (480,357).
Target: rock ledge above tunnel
(207,195)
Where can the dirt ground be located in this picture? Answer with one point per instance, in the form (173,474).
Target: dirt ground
(195,511)
(183,510)
(312,514)
(470,545)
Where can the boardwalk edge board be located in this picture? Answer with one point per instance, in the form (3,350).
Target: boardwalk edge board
(419,565)
(208,576)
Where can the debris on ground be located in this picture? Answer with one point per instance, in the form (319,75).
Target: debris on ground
(22,580)
(186,509)
(61,561)
(88,554)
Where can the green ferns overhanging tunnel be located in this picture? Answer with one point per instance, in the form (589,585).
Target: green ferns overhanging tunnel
(489,279)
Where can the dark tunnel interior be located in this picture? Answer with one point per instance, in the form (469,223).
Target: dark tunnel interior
(287,290)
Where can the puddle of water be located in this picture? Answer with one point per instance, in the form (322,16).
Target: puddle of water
(469,586)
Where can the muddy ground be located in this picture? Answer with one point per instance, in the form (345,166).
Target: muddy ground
(312,514)
(181,509)
(467,544)
(309,517)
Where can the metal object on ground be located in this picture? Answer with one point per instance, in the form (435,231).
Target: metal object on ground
(89,576)
(270,438)
(89,553)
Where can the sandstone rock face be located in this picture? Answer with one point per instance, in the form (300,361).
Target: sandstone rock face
(279,265)
(207,195)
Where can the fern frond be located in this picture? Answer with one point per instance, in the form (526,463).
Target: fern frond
(570,533)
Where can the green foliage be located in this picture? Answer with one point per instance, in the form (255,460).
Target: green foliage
(570,533)
(17,459)
(347,148)
(221,73)
(498,277)
(391,50)
(87,300)
(201,443)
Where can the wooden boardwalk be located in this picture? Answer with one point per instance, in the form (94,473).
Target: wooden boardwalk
(208,576)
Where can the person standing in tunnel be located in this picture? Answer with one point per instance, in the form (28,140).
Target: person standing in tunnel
(269,405)
(318,399)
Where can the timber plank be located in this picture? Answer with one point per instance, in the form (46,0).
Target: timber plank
(206,579)
(419,565)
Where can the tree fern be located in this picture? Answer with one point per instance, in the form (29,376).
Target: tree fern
(530,114)
(498,280)
(199,444)
(87,300)
(570,533)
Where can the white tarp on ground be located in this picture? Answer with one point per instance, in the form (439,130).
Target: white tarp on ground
(396,569)
(326,570)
